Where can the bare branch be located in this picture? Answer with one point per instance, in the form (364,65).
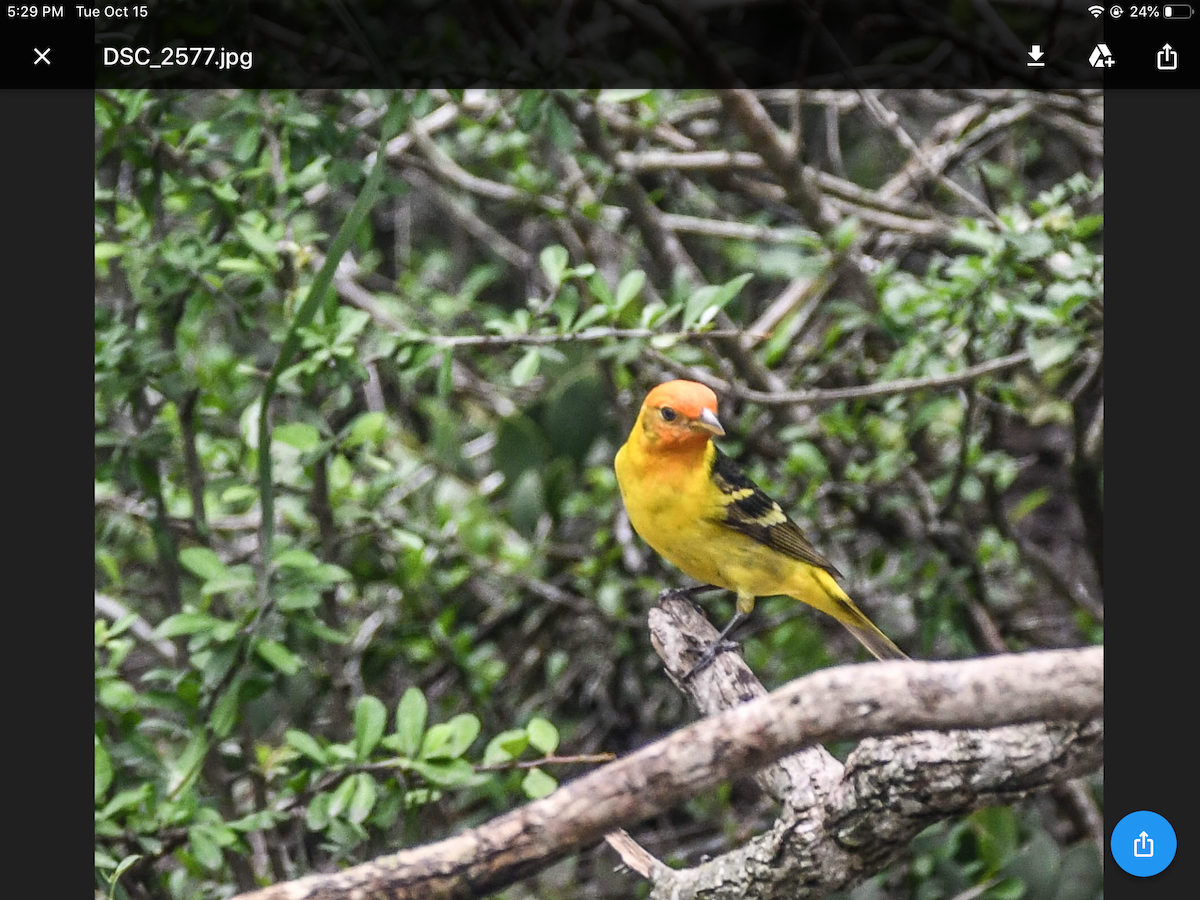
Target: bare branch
(818,396)
(112,608)
(587,335)
(843,825)
(798,183)
(491,238)
(635,855)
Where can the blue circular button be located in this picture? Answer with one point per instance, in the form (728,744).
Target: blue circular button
(1143,843)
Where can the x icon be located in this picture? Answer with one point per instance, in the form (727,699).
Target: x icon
(43,56)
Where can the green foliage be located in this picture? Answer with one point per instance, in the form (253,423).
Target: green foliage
(420,379)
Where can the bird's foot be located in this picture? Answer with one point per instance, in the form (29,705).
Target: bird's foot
(690,593)
(715,649)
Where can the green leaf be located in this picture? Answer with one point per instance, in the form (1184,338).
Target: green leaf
(450,739)
(117,695)
(1029,503)
(223,191)
(257,821)
(351,322)
(317,816)
(1007,889)
(543,735)
(236,579)
(538,784)
(186,623)
(410,721)
(106,250)
(395,118)
(1035,312)
(1030,244)
(700,300)
(104,770)
(341,797)
(260,242)
(296,558)
(242,266)
(329,573)
(529,110)
(629,287)
(363,799)
(202,562)
(246,144)
(844,233)
(205,847)
(126,799)
(728,291)
(621,95)
(1046,353)
(122,867)
(368,428)
(1087,226)
(526,367)
(505,746)
(559,127)
(445,773)
(703,306)
(996,833)
(185,769)
(278,656)
(554,261)
(591,316)
(370,718)
(306,744)
(301,435)
(225,710)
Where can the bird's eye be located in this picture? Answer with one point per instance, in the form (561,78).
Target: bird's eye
(668,414)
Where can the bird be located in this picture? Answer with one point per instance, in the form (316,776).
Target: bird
(696,508)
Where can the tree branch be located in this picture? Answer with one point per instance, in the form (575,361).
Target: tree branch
(821,396)
(589,334)
(841,825)
(844,703)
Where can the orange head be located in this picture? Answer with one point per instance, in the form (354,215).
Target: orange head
(679,415)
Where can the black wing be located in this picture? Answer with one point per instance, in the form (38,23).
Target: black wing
(749,510)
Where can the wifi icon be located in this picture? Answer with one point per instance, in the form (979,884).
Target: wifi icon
(1096,11)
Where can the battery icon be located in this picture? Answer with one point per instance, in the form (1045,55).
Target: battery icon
(1177,11)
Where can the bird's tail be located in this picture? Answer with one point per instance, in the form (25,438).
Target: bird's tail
(841,607)
(874,639)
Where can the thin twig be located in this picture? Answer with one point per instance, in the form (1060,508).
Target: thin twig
(550,759)
(588,335)
(883,388)
(112,608)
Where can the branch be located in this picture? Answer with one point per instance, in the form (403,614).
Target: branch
(819,396)
(839,826)
(887,388)
(845,703)
(798,184)
(112,608)
(473,225)
(588,334)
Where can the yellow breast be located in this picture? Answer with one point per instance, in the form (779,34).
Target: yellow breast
(670,506)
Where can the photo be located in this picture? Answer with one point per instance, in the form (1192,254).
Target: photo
(581,494)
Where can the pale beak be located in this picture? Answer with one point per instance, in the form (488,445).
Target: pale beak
(708,421)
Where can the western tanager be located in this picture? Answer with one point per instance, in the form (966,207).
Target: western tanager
(695,507)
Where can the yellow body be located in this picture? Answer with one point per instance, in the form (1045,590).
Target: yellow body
(665,472)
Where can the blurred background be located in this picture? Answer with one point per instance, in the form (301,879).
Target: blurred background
(456,614)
